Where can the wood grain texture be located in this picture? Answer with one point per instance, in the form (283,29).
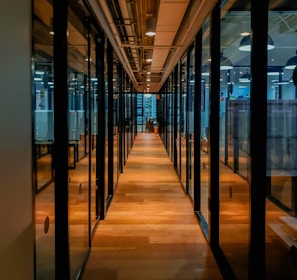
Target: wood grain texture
(150,231)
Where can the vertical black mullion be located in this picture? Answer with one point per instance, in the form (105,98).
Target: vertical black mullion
(85,113)
(175,119)
(197,120)
(121,121)
(110,117)
(131,115)
(100,149)
(180,117)
(164,116)
(258,135)
(89,128)
(60,10)
(214,127)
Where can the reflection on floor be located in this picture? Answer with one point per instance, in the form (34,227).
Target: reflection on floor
(150,231)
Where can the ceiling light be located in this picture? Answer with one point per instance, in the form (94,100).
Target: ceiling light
(292,62)
(150,26)
(225,63)
(149,56)
(245,28)
(245,33)
(245,44)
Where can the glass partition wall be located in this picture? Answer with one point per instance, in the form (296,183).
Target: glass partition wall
(183,121)
(281,230)
(234,137)
(82,134)
(190,136)
(43,124)
(82,137)
(204,124)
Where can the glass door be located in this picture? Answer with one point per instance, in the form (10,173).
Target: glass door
(43,137)
(81,138)
(204,124)
(191,91)
(183,123)
(281,202)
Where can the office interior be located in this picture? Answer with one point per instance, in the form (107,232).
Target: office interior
(74,83)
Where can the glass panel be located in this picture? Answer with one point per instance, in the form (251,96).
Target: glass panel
(234,137)
(106,126)
(191,89)
(178,128)
(94,129)
(78,186)
(204,115)
(140,115)
(281,229)
(183,123)
(42,106)
(116,124)
(170,120)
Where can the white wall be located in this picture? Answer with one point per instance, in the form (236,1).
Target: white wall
(16,226)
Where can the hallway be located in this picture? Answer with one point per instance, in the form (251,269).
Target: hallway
(150,231)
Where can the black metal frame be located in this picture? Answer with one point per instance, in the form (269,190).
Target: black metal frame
(197,122)
(258,136)
(60,153)
(110,120)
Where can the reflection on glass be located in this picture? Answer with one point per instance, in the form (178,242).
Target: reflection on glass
(116,125)
(238,135)
(79,106)
(170,122)
(191,121)
(281,165)
(43,120)
(177,141)
(204,115)
(94,133)
(183,124)
(234,139)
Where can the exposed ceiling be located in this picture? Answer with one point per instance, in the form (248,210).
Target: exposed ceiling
(124,22)
(177,23)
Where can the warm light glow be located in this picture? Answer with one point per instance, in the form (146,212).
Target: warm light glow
(150,33)
(150,26)
(245,33)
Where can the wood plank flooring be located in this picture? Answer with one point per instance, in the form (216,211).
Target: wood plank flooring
(150,231)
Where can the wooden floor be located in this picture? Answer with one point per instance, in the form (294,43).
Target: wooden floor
(150,231)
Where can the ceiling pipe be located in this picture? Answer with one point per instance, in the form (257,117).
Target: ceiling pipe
(126,14)
(110,30)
